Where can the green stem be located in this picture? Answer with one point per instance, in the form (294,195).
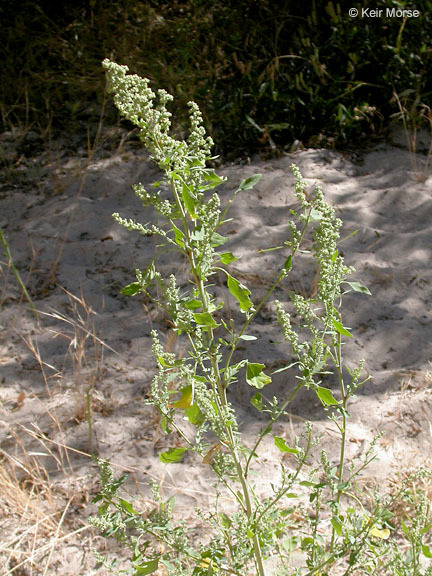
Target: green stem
(240,473)
(270,425)
(342,428)
(294,478)
(221,391)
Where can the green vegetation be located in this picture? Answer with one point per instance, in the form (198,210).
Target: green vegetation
(264,73)
(313,507)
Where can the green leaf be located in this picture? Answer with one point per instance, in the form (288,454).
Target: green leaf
(147,568)
(358,287)
(193,304)
(339,328)
(166,364)
(426,551)
(205,319)
(255,375)
(254,124)
(240,293)
(218,240)
(405,528)
(288,263)
(308,484)
(164,425)
(282,445)
(186,398)
(261,250)
(257,402)
(326,397)
(227,258)
(225,521)
(132,289)
(178,236)
(214,180)
(247,337)
(194,415)
(250,182)
(189,200)
(337,525)
(285,368)
(127,506)
(426,528)
(172,455)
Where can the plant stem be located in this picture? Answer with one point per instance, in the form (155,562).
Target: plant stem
(270,425)
(342,428)
(220,389)
(17,274)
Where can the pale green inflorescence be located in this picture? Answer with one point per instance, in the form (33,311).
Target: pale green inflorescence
(191,388)
(135,101)
(317,313)
(183,161)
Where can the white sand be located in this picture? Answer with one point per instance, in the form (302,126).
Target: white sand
(62,230)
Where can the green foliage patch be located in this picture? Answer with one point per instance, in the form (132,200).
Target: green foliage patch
(264,73)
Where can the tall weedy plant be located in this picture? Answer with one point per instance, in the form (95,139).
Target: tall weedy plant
(310,508)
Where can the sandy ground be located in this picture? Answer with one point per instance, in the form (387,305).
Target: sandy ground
(56,211)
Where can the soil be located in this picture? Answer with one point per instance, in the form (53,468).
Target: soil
(90,344)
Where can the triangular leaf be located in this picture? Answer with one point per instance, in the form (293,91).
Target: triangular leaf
(194,415)
(240,293)
(193,304)
(167,364)
(326,397)
(212,178)
(337,525)
(358,287)
(255,375)
(426,551)
(132,289)
(227,258)
(288,264)
(127,506)
(205,319)
(178,236)
(250,182)
(172,455)
(283,447)
(217,240)
(339,328)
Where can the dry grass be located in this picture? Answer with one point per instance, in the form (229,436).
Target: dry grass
(34,513)
(43,499)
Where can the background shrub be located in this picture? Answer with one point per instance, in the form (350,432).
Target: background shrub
(264,72)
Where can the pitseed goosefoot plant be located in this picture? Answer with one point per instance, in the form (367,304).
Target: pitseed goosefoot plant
(313,508)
